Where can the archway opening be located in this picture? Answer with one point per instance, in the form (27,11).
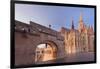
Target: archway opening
(45,52)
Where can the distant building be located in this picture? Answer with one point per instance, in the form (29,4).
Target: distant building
(80,40)
(45,54)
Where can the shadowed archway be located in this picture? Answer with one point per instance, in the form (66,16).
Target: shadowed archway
(46,51)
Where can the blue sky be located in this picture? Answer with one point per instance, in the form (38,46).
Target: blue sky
(55,16)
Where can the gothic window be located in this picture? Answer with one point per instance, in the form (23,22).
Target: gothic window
(83,40)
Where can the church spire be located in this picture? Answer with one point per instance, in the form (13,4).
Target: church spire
(81,24)
(91,29)
(81,18)
(72,26)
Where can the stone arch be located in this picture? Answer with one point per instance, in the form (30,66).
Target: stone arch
(51,47)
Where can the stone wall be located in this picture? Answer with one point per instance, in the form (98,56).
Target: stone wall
(28,36)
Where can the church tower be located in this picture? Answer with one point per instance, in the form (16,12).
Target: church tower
(81,24)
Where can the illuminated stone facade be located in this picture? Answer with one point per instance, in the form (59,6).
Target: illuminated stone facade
(78,40)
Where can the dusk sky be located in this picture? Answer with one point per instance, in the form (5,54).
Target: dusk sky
(55,16)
